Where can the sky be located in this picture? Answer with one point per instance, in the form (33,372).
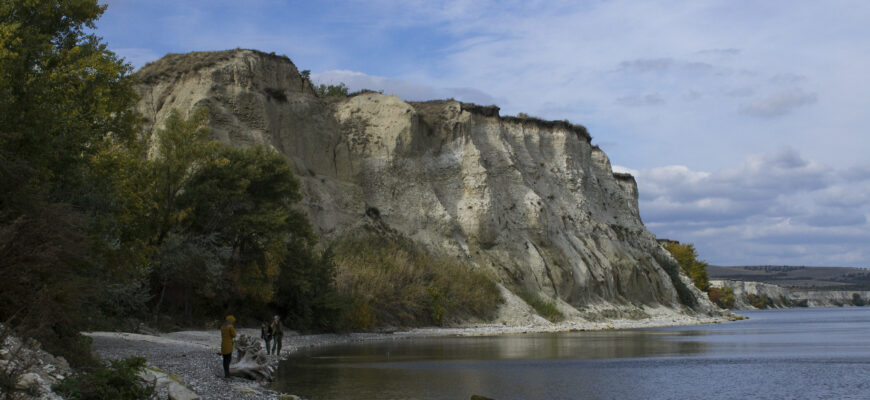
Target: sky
(745,123)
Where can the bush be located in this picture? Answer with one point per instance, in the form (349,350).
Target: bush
(722,297)
(392,281)
(687,256)
(857,300)
(759,301)
(339,90)
(545,308)
(116,382)
(673,270)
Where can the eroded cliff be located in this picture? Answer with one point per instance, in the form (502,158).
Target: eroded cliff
(532,201)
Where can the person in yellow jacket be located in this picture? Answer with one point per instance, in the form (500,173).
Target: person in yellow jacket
(228,333)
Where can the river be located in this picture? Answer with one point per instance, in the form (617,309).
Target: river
(775,354)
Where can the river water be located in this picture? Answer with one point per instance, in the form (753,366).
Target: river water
(776,354)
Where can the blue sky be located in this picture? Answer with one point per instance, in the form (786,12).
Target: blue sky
(744,122)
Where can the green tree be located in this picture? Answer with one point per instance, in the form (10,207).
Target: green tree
(246,197)
(687,257)
(61,92)
(64,99)
(339,90)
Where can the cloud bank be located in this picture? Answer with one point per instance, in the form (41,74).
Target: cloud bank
(776,208)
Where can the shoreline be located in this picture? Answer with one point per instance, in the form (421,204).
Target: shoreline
(192,356)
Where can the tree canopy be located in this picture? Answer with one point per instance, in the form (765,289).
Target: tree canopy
(687,257)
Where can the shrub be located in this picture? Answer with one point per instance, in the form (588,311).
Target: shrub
(339,90)
(673,270)
(118,381)
(544,307)
(687,256)
(759,301)
(393,281)
(722,297)
(857,300)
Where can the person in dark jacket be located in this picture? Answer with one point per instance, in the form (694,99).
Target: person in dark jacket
(228,333)
(266,335)
(277,335)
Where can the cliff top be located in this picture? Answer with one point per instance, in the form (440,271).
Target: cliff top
(173,65)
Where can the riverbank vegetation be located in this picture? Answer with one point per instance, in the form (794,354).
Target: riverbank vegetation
(544,307)
(687,258)
(389,280)
(722,297)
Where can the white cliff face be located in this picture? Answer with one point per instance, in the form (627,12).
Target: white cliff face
(531,201)
(781,297)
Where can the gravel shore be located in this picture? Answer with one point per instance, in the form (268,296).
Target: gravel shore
(193,355)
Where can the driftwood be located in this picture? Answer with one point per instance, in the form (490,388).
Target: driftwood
(251,361)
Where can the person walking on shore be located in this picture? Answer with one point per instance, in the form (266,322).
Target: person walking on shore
(228,333)
(266,335)
(277,335)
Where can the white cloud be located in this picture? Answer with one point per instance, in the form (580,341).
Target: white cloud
(764,206)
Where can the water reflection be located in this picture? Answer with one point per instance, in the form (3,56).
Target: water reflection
(775,354)
(394,368)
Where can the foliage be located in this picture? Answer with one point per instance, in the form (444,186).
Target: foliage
(687,257)
(545,308)
(118,381)
(391,281)
(226,221)
(325,90)
(722,297)
(857,300)
(673,270)
(64,99)
(759,301)
(306,293)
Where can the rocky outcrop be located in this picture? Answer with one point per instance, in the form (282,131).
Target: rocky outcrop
(28,370)
(829,298)
(745,292)
(532,201)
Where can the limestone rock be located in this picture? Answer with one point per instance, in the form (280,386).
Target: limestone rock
(534,202)
(780,297)
(31,370)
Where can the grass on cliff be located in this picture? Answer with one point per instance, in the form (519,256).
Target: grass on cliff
(392,281)
(544,307)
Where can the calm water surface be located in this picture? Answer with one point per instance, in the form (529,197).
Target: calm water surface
(776,354)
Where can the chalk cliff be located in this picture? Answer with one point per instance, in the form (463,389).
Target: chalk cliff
(780,297)
(532,201)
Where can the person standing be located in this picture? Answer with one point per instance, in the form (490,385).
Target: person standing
(228,333)
(266,335)
(277,335)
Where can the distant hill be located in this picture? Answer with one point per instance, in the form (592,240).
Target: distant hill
(823,278)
